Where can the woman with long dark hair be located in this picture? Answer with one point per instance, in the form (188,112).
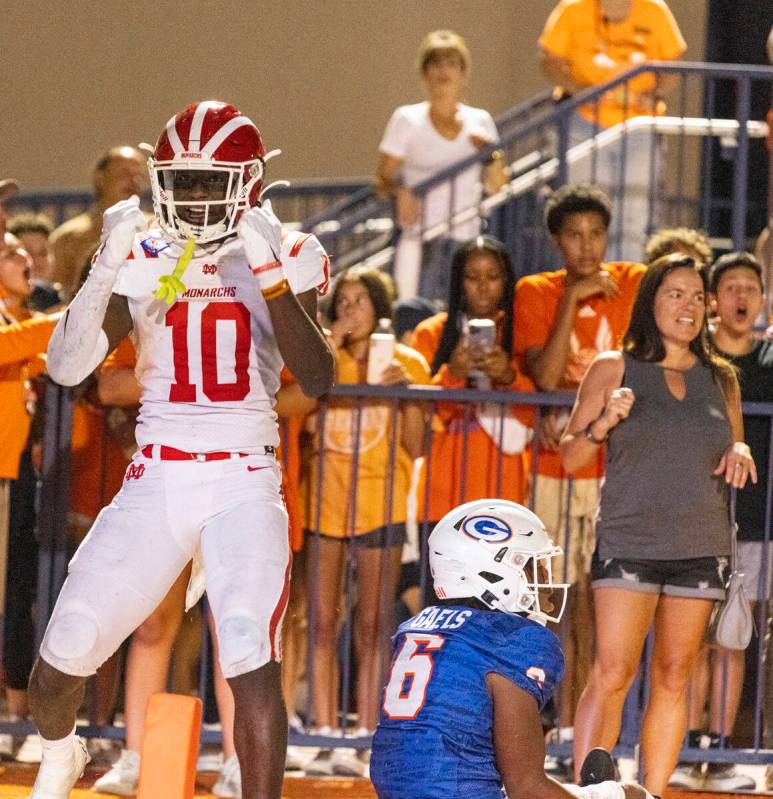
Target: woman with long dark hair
(476,450)
(669,409)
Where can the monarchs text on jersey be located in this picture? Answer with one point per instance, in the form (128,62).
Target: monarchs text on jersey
(435,736)
(209,364)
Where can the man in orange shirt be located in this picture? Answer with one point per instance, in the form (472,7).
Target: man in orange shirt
(563,319)
(589,42)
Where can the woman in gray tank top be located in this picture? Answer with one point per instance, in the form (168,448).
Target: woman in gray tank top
(671,411)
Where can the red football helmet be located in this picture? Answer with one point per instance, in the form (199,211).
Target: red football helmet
(212,158)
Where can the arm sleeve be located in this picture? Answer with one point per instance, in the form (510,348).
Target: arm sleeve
(396,136)
(556,36)
(22,340)
(78,344)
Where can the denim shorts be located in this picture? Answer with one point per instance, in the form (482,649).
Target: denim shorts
(699,578)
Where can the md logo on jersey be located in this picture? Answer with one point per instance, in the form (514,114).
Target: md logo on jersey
(135,471)
(490,529)
(209,269)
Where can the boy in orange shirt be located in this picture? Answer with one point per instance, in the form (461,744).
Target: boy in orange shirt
(563,319)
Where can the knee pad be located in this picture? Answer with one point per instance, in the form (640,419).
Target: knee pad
(244,645)
(72,639)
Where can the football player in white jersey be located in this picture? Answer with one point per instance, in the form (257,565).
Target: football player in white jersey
(210,350)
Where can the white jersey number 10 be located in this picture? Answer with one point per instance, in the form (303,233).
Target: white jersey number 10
(182,390)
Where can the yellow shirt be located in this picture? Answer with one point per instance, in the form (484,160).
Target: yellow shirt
(375,441)
(597,51)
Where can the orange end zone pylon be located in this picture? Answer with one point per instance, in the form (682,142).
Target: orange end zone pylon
(170,747)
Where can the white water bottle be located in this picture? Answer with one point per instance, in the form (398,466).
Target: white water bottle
(381,350)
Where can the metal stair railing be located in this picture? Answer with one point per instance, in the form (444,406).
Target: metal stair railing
(505,122)
(538,150)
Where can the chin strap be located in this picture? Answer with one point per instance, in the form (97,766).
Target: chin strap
(170,286)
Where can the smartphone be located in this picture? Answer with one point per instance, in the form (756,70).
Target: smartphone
(481,333)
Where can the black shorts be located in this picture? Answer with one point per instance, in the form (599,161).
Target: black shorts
(700,578)
(390,535)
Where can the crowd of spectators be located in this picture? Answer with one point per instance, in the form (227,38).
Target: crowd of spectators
(365,479)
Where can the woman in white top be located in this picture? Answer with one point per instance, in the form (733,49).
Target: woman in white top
(423,139)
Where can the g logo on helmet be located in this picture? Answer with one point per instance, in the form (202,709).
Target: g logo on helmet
(490,529)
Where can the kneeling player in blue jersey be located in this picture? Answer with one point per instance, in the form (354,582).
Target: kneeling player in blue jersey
(470,674)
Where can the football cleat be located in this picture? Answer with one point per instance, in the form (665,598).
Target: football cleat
(56,778)
(597,767)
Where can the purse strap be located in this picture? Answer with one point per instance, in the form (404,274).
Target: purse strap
(733,531)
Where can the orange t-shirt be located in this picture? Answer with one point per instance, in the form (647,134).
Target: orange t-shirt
(20,341)
(98,461)
(373,477)
(465,462)
(600,324)
(597,51)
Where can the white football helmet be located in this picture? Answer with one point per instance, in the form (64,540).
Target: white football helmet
(498,552)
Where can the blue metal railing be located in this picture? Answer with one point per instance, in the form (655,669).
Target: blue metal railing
(53,540)
(292,203)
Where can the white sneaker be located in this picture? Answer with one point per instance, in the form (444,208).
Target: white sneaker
(347,762)
(687,775)
(122,778)
(210,760)
(296,758)
(725,778)
(31,750)
(229,781)
(55,779)
(321,764)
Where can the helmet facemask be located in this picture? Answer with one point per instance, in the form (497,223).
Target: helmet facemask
(525,585)
(208,209)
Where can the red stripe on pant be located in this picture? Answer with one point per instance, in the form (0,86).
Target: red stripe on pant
(274,626)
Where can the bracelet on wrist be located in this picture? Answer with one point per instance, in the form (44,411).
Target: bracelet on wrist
(497,155)
(276,291)
(589,434)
